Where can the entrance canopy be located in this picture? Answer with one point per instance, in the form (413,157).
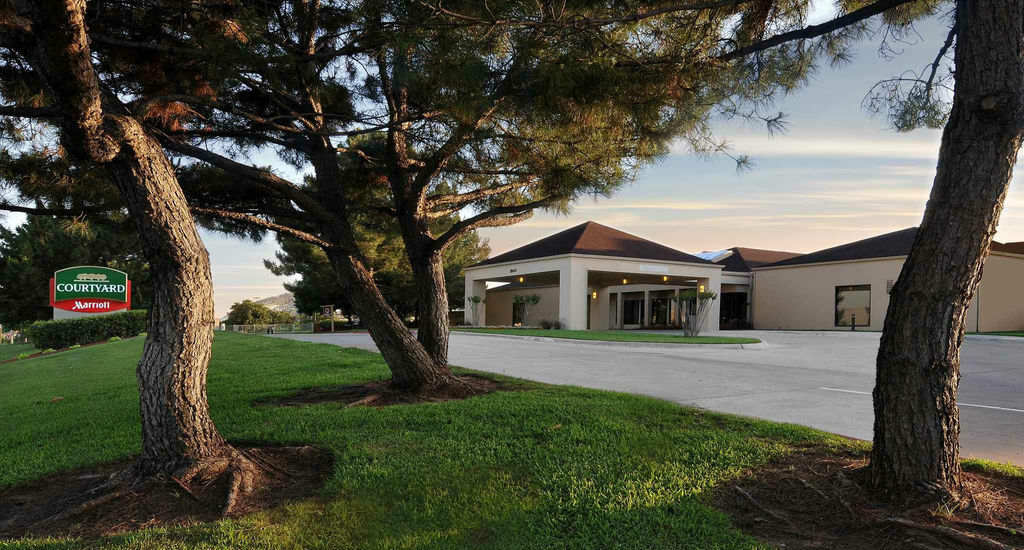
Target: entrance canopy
(591,270)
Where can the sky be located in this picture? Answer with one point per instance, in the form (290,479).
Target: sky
(835,176)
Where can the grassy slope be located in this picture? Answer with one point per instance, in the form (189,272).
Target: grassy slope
(541,468)
(615,336)
(10,351)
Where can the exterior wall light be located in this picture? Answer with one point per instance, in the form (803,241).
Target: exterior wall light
(594,295)
(520,279)
(702,288)
(624,281)
(664,278)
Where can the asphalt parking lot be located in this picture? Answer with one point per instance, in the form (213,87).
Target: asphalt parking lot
(819,379)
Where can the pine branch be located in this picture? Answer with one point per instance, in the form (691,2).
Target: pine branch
(256,221)
(459,199)
(59,212)
(814,31)
(28,112)
(938,60)
(496,217)
(579,22)
(263,177)
(58,49)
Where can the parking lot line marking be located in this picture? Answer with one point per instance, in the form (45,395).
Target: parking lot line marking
(959,404)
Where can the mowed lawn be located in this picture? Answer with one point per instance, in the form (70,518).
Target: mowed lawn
(615,336)
(542,467)
(10,351)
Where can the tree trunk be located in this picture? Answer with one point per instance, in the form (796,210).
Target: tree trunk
(916,439)
(177,431)
(413,368)
(432,306)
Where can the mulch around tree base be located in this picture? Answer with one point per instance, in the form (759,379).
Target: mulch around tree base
(381,394)
(40,508)
(812,500)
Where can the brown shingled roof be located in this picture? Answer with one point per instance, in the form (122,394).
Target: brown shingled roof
(897,243)
(889,245)
(596,239)
(1010,248)
(743,259)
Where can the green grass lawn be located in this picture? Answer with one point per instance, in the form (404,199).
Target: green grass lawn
(1005,333)
(545,467)
(10,351)
(615,336)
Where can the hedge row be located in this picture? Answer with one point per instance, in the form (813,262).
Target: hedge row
(64,333)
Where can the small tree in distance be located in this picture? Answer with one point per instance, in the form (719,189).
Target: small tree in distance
(475,301)
(527,301)
(693,322)
(248,312)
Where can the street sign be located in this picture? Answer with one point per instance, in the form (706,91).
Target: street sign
(329,311)
(90,289)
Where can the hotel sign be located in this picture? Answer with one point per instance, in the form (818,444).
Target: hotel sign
(652,268)
(90,289)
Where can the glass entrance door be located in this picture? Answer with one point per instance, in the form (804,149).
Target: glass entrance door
(632,311)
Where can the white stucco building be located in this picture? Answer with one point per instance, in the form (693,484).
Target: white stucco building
(837,287)
(589,277)
(595,277)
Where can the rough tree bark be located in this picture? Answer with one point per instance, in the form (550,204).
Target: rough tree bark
(179,437)
(916,433)
(432,329)
(413,368)
(418,364)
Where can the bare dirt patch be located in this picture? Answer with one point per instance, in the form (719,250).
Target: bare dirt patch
(381,394)
(42,508)
(813,500)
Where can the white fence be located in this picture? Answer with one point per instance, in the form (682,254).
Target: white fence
(287,328)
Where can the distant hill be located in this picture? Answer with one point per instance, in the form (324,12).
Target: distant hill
(282,302)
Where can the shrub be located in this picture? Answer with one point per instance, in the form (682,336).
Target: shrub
(47,351)
(556,325)
(24,355)
(114,339)
(76,346)
(545,324)
(63,333)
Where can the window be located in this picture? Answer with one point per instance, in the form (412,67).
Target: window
(853,305)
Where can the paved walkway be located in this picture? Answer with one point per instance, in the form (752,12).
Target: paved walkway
(819,379)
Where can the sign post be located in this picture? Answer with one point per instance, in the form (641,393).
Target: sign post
(86,290)
(329,310)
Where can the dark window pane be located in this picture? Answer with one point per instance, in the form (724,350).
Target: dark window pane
(632,311)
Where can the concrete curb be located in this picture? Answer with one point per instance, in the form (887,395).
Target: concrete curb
(996,337)
(648,345)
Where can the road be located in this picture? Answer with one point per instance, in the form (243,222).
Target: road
(818,379)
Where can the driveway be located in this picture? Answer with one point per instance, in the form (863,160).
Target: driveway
(818,379)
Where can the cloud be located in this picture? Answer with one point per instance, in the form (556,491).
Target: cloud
(834,146)
(217,287)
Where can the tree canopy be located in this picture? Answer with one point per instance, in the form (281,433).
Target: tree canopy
(318,283)
(471,114)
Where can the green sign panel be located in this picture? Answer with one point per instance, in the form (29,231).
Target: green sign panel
(90,289)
